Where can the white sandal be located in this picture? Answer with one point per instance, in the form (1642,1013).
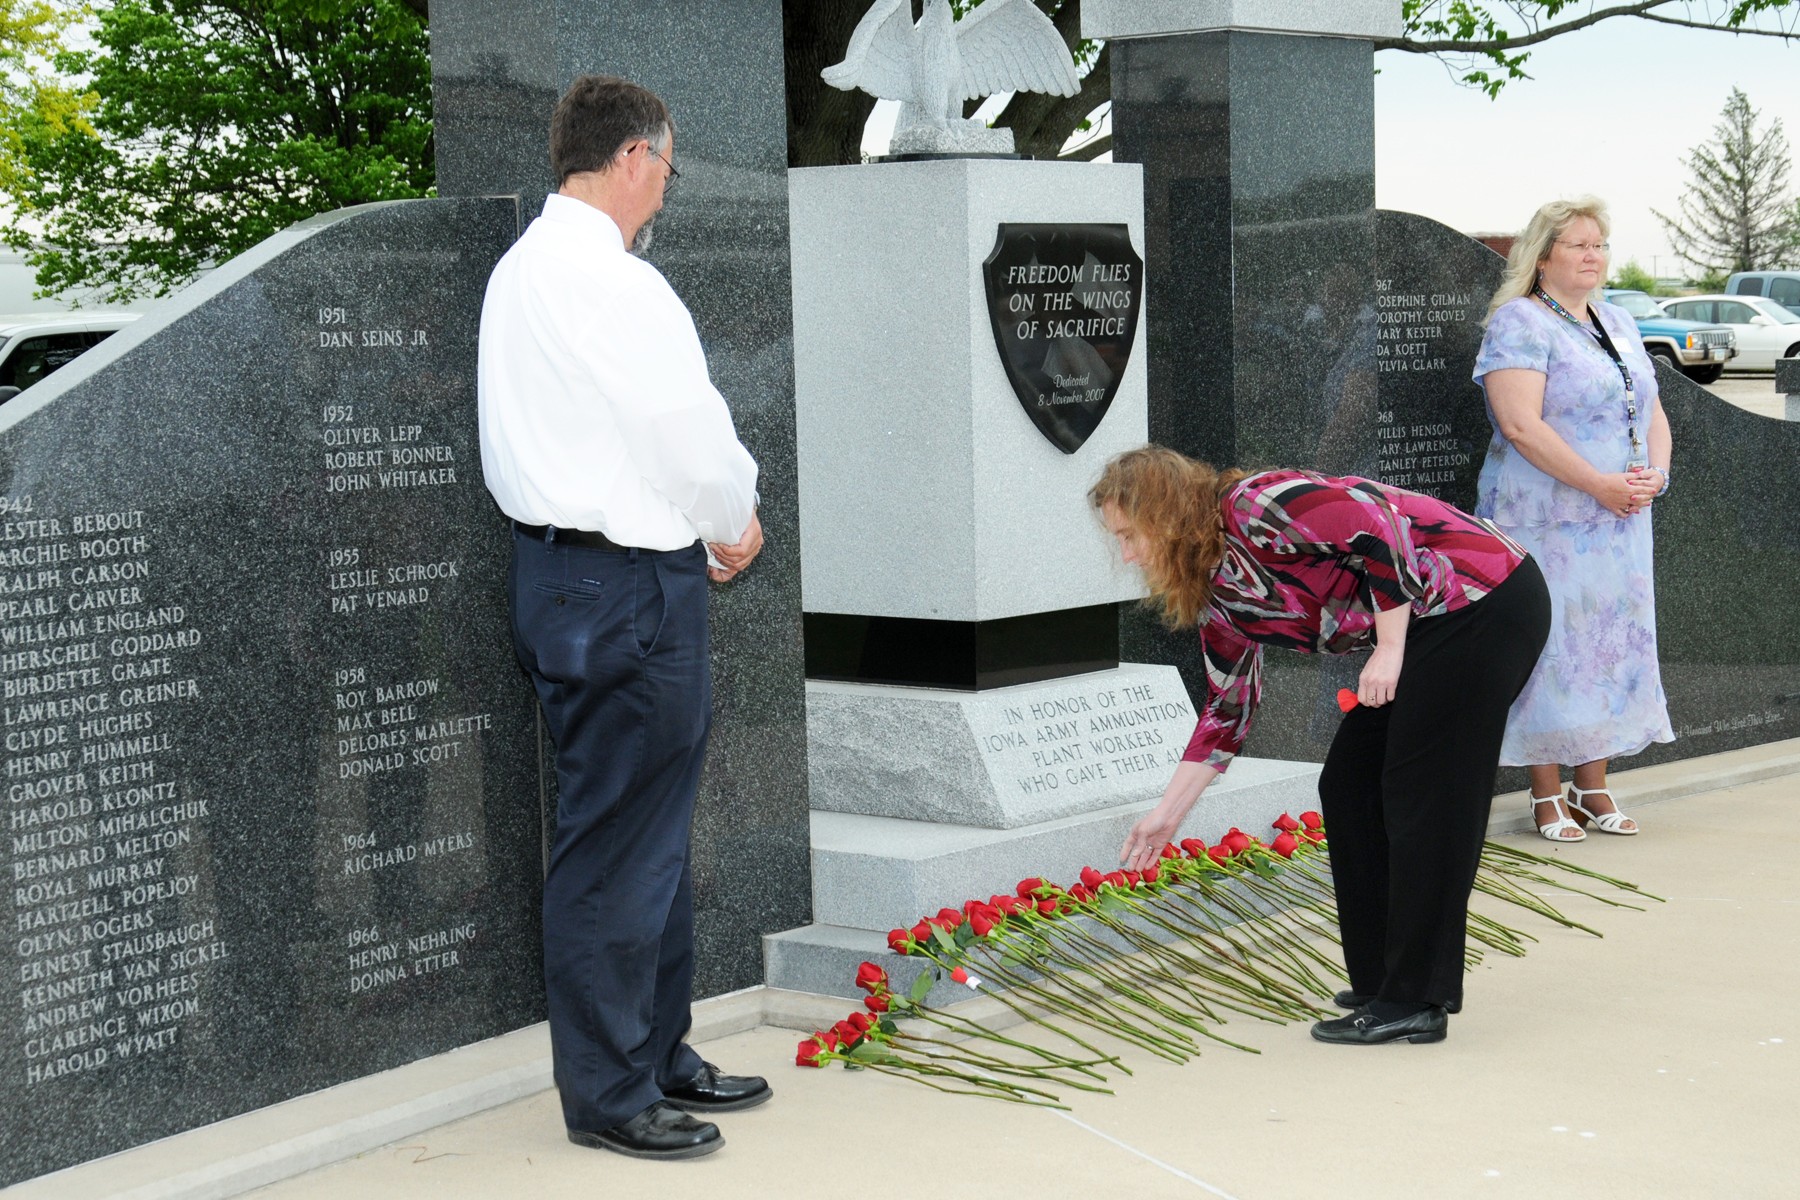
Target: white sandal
(1607,822)
(1553,830)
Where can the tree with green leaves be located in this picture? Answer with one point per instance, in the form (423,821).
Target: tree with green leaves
(218,123)
(1736,213)
(31,97)
(1633,277)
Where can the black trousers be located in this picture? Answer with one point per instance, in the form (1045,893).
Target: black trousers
(1406,790)
(616,644)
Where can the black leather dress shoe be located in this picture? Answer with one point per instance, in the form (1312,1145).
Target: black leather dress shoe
(1355,1000)
(660,1131)
(1364,1028)
(710,1091)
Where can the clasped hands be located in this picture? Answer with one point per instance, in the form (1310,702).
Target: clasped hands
(737,556)
(1628,492)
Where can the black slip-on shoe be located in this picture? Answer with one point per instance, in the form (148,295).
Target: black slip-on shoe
(710,1091)
(660,1131)
(1364,1028)
(1354,1000)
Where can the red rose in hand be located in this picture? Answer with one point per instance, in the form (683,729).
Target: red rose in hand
(1347,699)
(871,978)
(1091,878)
(877,1003)
(1312,820)
(1030,887)
(1219,854)
(1193,847)
(1285,845)
(811,1052)
(1285,823)
(899,941)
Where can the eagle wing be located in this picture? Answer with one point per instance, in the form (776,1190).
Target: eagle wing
(879,58)
(1011,46)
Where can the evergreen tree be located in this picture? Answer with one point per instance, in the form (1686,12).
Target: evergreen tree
(1735,213)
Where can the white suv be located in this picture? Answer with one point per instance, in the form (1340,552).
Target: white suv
(32,347)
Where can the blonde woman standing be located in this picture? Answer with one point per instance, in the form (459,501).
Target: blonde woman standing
(1580,452)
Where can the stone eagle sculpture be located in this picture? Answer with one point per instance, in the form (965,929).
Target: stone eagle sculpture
(932,67)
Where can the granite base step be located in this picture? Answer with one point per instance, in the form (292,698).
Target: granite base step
(876,873)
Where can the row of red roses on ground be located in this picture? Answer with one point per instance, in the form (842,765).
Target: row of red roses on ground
(1036,895)
(1037,898)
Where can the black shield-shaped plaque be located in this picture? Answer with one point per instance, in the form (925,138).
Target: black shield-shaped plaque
(1064,301)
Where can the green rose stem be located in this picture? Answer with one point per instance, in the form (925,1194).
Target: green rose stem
(953,1023)
(994,1090)
(1279,1000)
(1251,999)
(954,1051)
(1207,922)
(1494,854)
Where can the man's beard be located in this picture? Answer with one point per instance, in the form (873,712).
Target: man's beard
(640,244)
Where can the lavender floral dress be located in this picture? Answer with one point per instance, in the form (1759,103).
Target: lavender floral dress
(1597,691)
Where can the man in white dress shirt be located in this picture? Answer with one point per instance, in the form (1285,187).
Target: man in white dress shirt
(606,443)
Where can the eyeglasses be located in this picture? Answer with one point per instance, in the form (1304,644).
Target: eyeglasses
(1586,247)
(673,173)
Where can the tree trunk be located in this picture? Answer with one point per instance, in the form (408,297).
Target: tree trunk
(825,126)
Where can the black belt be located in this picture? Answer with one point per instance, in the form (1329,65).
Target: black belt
(572,537)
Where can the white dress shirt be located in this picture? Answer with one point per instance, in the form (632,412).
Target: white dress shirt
(596,409)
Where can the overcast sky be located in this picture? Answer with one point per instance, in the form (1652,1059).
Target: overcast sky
(1611,111)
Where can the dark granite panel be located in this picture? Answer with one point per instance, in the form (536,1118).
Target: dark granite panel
(968,656)
(1258,154)
(270,817)
(722,240)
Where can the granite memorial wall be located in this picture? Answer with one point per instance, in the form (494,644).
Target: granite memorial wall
(272,810)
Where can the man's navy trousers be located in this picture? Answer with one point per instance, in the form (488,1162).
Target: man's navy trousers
(616,643)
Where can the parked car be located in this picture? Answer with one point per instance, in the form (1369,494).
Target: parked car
(1765,330)
(31,348)
(1783,287)
(1696,349)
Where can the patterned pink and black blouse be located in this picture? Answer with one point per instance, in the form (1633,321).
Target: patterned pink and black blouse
(1309,559)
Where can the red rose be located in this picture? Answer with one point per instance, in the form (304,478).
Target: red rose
(949,918)
(1030,887)
(899,941)
(1091,878)
(1152,874)
(811,1052)
(921,932)
(1116,878)
(1081,893)
(1313,835)
(1312,820)
(876,1003)
(1285,823)
(1235,842)
(1169,850)
(960,975)
(982,922)
(1219,854)
(1047,907)
(1285,845)
(860,1021)
(871,978)
(1346,699)
(1193,847)
(848,1032)
(1008,904)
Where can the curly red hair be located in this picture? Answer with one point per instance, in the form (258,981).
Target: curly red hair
(1172,502)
